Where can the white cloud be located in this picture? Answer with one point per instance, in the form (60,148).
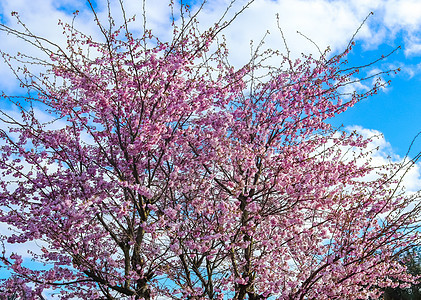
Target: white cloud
(22,249)
(403,14)
(326,22)
(383,154)
(412,45)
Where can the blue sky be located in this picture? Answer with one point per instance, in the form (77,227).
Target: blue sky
(396,112)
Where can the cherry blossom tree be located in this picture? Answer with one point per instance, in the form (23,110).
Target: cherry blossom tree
(163,172)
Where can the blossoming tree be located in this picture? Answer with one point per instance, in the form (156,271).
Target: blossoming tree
(165,172)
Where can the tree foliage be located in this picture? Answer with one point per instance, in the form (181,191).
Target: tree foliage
(411,260)
(163,171)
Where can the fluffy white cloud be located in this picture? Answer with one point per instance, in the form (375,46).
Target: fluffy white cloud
(402,14)
(382,154)
(326,22)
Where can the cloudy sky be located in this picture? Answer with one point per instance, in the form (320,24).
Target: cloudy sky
(395,112)
(327,22)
